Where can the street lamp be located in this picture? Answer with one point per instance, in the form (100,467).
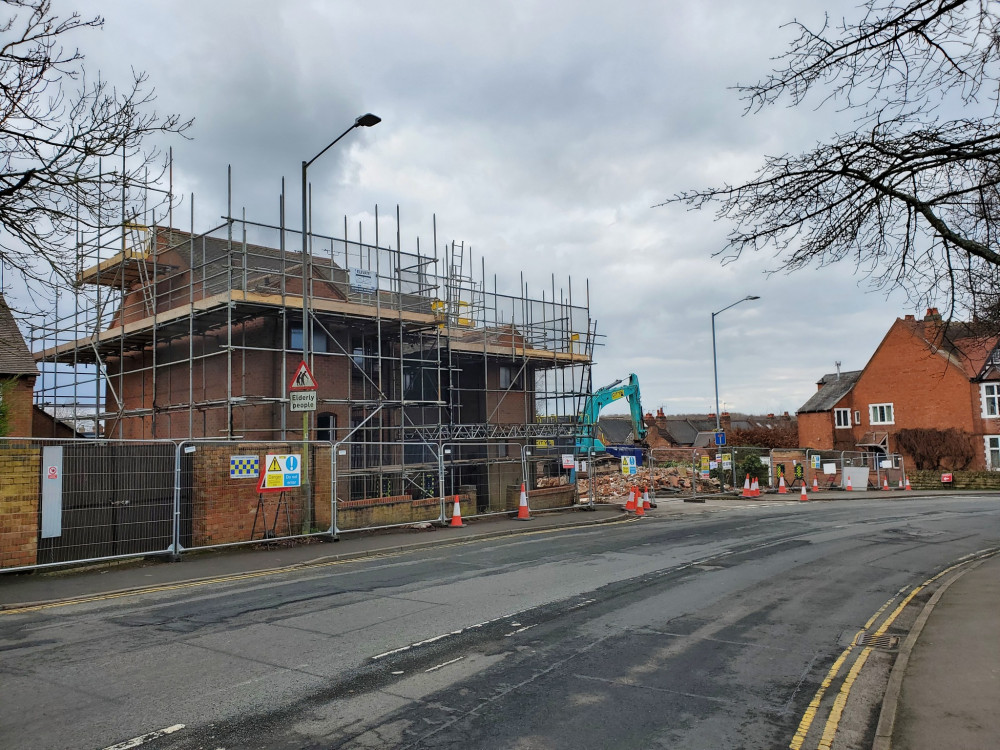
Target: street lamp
(715,362)
(365,121)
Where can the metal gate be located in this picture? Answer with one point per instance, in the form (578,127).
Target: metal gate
(117,499)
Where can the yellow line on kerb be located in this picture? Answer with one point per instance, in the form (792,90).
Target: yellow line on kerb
(257,574)
(836,712)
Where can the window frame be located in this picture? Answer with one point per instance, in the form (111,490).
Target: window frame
(842,414)
(889,412)
(985,399)
(514,378)
(857,417)
(990,465)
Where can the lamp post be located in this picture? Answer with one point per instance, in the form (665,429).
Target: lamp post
(715,361)
(364,121)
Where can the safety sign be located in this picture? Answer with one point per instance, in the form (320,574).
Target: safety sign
(281,472)
(628,465)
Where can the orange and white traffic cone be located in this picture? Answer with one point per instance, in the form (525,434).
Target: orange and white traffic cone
(522,509)
(815,484)
(630,505)
(755,487)
(746,488)
(803,497)
(782,489)
(885,484)
(849,488)
(646,505)
(900,483)
(456,516)
(907,486)
(640,512)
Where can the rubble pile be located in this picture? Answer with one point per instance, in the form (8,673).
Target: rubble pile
(613,487)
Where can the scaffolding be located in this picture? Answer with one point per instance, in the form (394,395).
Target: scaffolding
(185,335)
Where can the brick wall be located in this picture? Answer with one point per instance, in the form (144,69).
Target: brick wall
(964,480)
(543,498)
(225,510)
(19,406)
(20,466)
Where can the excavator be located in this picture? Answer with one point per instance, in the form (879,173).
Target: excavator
(587,437)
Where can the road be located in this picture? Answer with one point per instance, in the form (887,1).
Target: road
(707,630)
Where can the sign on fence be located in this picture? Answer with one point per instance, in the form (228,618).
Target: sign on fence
(244,467)
(281,472)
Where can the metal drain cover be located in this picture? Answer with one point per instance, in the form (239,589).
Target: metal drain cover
(883,642)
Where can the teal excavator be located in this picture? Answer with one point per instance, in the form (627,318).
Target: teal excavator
(587,437)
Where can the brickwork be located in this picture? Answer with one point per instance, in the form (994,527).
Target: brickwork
(225,510)
(19,504)
(963,480)
(398,509)
(19,406)
(542,498)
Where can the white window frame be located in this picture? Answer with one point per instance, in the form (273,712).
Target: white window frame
(987,399)
(873,413)
(991,465)
(842,419)
(857,417)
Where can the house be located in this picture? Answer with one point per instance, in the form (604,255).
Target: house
(200,337)
(17,378)
(924,374)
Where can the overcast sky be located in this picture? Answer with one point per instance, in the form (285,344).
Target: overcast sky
(541,133)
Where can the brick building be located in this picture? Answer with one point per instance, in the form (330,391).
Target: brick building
(924,374)
(198,337)
(17,377)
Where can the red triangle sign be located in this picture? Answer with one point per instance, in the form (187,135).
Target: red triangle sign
(303,379)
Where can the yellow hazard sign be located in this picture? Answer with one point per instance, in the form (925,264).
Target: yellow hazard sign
(283,471)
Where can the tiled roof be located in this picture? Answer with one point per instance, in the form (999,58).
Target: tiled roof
(833,388)
(15,359)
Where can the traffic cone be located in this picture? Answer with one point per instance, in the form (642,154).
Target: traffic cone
(630,505)
(782,489)
(803,497)
(849,488)
(755,487)
(907,487)
(900,483)
(746,488)
(815,485)
(522,510)
(885,484)
(456,516)
(646,505)
(639,510)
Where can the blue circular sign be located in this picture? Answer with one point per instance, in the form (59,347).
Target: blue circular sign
(291,463)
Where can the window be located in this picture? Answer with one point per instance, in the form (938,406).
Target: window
(842,418)
(991,399)
(880,413)
(993,452)
(857,417)
(510,378)
(295,338)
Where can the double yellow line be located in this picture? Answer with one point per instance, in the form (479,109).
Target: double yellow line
(837,710)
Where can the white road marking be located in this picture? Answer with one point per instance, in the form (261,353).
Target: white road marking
(519,630)
(444,664)
(144,738)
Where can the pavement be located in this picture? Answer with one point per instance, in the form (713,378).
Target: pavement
(943,691)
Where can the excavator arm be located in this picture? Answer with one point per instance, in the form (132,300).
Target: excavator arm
(600,398)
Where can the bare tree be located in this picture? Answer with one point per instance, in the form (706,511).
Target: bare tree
(911,195)
(73,151)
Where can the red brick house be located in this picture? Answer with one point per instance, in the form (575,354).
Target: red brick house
(17,378)
(924,374)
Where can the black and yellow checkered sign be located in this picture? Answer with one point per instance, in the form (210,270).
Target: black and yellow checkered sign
(244,467)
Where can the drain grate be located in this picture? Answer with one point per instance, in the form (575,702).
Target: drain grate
(884,642)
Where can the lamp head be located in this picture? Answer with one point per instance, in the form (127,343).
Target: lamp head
(751,297)
(367,120)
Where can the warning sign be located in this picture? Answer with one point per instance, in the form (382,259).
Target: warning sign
(281,472)
(303,379)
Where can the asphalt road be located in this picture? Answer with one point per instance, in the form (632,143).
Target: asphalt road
(713,630)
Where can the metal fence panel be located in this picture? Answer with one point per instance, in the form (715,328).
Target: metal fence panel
(84,500)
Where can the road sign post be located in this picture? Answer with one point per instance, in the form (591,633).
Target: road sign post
(302,397)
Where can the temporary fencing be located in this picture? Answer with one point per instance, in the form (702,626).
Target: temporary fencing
(81,501)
